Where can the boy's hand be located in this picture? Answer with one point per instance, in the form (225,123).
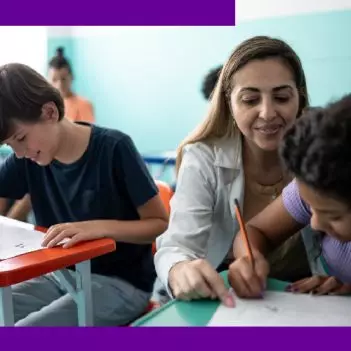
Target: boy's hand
(75,232)
(319,285)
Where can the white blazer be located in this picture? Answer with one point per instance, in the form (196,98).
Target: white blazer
(203,222)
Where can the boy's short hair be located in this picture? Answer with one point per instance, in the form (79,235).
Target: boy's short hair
(23,92)
(317,149)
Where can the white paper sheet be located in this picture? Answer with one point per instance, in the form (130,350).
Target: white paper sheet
(16,223)
(18,238)
(286,309)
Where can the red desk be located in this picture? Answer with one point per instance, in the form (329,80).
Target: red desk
(35,264)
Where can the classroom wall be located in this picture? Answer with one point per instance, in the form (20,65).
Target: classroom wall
(24,44)
(247,10)
(146,80)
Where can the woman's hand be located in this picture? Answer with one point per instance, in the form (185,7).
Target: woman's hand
(197,279)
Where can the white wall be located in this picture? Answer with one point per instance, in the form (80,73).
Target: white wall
(257,9)
(26,45)
(59,31)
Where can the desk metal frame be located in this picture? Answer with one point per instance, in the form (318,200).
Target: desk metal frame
(79,289)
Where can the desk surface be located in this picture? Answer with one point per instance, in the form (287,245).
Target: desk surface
(34,264)
(194,313)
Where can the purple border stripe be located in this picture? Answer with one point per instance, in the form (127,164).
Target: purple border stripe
(174,339)
(118,12)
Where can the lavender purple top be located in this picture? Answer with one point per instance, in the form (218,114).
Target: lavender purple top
(337,254)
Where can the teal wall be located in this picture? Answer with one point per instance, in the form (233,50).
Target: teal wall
(146,82)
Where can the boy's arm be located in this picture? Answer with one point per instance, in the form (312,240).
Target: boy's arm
(20,209)
(4,204)
(134,178)
(153,222)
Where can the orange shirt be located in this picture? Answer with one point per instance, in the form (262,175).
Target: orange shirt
(79,109)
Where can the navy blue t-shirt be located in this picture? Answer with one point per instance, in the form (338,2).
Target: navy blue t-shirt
(108,182)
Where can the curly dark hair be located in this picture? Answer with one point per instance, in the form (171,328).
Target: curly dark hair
(210,81)
(317,149)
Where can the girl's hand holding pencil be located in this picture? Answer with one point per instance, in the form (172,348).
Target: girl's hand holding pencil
(247,275)
(246,280)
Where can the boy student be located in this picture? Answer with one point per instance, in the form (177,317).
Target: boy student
(317,151)
(77,108)
(85,182)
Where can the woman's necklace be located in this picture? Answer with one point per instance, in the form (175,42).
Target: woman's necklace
(273,191)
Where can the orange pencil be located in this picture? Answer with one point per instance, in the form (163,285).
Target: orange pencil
(244,233)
